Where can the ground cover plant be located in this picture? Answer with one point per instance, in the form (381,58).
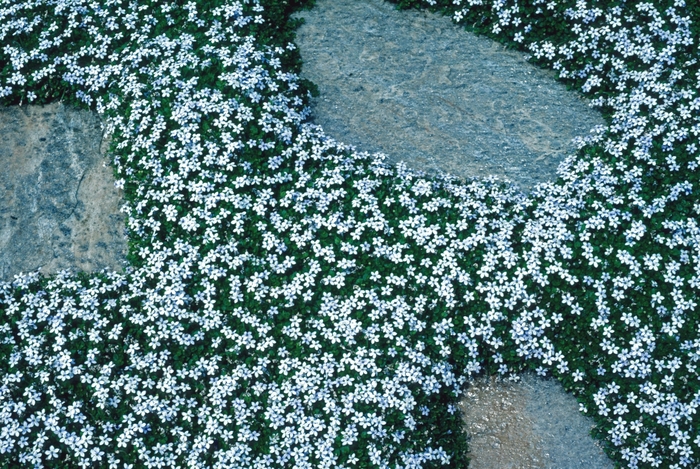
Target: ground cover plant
(289,303)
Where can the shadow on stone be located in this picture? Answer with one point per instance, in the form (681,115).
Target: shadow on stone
(60,209)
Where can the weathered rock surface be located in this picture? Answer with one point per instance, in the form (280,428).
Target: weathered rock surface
(531,424)
(59,208)
(415,86)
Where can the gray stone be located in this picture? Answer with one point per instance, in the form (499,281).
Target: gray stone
(415,86)
(530,424)
(59,208)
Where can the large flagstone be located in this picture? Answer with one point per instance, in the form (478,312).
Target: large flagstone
(59,208)
(415,86)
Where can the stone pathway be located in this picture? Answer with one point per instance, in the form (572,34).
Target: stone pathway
(409,84)
(60,209)
(416,87)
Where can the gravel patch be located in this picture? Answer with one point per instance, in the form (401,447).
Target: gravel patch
(529,424)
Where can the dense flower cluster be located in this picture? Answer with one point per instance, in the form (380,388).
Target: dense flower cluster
(276,273)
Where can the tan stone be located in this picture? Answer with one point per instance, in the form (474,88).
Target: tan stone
(500,432)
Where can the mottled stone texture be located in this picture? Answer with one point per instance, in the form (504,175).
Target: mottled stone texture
(415,86)
(59,208)
(531,424)
(499,430)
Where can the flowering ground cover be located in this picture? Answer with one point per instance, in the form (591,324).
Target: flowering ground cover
(290,303)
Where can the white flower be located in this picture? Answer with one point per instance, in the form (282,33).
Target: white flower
(51,452)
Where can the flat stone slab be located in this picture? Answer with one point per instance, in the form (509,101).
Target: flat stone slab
(60,209)
(415,86)
(531,424)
